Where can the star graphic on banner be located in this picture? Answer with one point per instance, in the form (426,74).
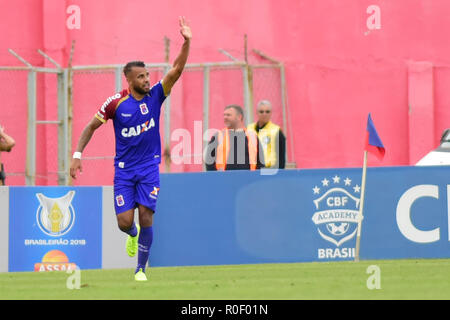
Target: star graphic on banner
(357,188)
(316,190)
(347,181)
(336,179)
(325,182)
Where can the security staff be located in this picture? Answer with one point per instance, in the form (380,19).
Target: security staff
(234,147)
(271,137)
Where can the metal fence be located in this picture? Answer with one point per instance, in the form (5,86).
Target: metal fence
(60,101)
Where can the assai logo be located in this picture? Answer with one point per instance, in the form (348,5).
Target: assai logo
(54,260)
(55,216)
(336,215)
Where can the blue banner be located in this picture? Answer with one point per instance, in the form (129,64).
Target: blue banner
(55,228)
(244,217)
(301,215)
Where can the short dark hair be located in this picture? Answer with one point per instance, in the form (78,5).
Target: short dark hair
(237,108)
(132,64)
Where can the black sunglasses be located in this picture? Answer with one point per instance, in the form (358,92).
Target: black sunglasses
(262,111)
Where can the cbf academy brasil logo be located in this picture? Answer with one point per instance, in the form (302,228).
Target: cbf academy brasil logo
(336,216)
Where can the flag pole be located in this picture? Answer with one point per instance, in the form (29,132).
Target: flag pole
(361,206)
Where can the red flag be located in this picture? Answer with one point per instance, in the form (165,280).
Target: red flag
(373,141)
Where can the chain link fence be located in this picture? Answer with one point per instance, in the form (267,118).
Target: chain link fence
(14,120)
(54,106)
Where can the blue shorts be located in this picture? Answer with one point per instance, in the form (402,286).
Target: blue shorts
(136,186)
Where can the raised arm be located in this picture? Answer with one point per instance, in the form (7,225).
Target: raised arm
(178,66)
(86,135)
(6,142)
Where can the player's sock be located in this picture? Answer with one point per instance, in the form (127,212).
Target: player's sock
(144,244)
(132,231)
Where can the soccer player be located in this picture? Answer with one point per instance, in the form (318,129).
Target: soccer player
(135,113)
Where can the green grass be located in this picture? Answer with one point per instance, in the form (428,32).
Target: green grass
(400,279)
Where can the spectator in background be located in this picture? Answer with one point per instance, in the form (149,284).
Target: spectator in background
(271,137)
(234,147)
(6,144)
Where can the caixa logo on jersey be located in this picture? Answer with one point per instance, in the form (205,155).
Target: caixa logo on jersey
(336,216)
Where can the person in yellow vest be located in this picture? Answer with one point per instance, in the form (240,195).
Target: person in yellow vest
(6,144)
(234,147)
(271,137)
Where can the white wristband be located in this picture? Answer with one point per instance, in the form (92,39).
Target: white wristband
(77,155)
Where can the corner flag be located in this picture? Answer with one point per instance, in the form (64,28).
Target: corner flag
(373,141)
(375,146)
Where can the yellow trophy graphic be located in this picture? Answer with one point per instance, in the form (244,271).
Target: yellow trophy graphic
(55,216)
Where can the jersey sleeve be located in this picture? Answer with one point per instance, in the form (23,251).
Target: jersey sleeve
(106,112)
(158,91)
(108,108)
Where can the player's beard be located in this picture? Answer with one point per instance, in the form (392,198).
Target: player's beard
(141,90)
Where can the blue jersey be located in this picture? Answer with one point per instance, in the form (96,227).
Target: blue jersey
(136,126)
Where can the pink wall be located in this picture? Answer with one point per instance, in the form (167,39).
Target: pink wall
(337,69)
